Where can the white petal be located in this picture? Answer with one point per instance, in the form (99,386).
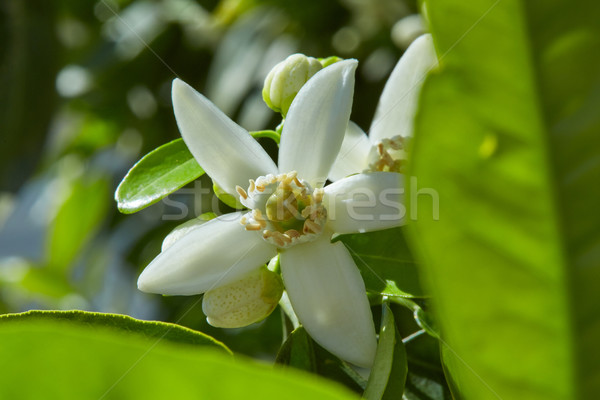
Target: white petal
(398,102)
(216,253)
(365,202)
(314,128)
(328,296)
(228,154)
(182,230)
(354,153)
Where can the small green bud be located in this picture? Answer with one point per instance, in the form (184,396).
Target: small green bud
(285,80)
(244,302)
(326,62)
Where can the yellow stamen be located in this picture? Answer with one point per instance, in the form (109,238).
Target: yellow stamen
(241,192)
(253,227)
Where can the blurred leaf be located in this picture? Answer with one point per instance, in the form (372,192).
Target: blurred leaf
(158,173)
(388,374)
(76,221)
(385,262)
(74,360)
(92,134)
(42,281)
(29,63)
(508,134)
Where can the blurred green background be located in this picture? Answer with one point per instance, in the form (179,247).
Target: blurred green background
(86,92)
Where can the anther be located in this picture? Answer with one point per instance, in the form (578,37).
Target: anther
(257,214)
(292,233)
(253,227)
(286,238)
(252,186)
(311,226)
(318,195)
(397,143)
(278,240)
(241,192)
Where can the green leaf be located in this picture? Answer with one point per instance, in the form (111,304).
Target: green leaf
(46,282)
(75,360)
(425,380)
(385,262)
(423,318)
(76,221)
(297,351)
(122,323)
(159,173)
(301,352)
(508,135)
(388,374)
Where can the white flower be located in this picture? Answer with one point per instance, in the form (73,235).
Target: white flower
(383,149)
(290,212)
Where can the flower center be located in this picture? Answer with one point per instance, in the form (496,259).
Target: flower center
(388,155)
(284,209)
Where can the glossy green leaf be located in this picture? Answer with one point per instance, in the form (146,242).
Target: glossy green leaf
(159,173)
(508,135)
(388,374)
(76,221)
(385,262)
(69,359)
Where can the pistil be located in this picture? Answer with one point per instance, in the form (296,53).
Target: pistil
(285,209)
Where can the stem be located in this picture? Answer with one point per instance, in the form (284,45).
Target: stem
(267,134)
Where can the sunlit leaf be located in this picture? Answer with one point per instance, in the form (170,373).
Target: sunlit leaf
(66,359)
(123,323)
(77,219)
(157,174)
(507,134)
(385,262)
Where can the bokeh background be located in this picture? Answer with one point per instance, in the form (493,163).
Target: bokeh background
(85,92)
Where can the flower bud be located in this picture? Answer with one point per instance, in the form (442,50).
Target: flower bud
(244,302)
(285,80)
